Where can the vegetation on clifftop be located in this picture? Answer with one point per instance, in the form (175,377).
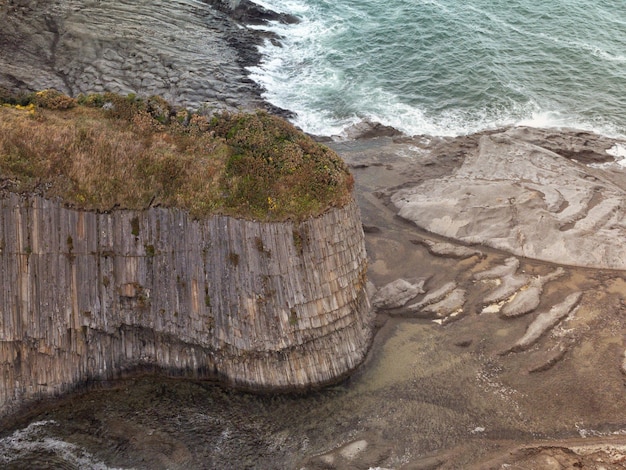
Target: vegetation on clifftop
(101,152)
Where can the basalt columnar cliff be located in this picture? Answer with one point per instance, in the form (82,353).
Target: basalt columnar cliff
(92,295)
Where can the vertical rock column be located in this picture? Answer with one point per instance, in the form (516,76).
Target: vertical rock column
(92,296)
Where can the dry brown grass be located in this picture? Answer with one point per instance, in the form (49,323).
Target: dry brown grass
(97,163)
(127,157)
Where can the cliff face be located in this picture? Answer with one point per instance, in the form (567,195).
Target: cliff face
(88,296)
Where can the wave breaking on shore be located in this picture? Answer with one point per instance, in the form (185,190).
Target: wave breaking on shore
(345,63)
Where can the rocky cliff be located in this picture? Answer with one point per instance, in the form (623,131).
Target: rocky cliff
(90,296)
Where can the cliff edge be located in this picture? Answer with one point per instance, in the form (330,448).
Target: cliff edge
(95,294)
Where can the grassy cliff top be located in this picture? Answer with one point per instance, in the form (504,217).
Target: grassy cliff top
(101,152)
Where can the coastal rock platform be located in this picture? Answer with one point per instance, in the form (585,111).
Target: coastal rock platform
(191,53)
(513,194)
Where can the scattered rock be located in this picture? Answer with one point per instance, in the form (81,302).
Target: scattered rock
(369,130)
(371,229)
(546,321)
(449,305)
(527,300)
(508,286)
(509,267)
(428,463)
(433,297)
(549,360)
(248,12)
(397,293)
(355,455)
(524,301)
(353,449)
(448,250)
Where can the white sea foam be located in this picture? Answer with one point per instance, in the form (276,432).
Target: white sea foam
(344,63)
(32,442)
(293,7)
(619,152)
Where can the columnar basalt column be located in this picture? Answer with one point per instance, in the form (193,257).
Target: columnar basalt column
(92,296)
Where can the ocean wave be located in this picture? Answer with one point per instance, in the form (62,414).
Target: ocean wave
(32,447)
(344,63)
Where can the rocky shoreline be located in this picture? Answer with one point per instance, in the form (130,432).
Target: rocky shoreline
(192,53)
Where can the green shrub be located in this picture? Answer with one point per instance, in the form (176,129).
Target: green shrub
(53,99)
(93,100)
(275,169)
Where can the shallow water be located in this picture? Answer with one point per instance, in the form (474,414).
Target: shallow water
(404,403)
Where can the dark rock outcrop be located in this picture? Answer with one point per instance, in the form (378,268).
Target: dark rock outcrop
(190,53)
(248,12)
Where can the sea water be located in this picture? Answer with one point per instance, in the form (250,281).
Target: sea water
(449,67)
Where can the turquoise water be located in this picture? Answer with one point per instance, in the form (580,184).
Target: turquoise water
(449,67)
